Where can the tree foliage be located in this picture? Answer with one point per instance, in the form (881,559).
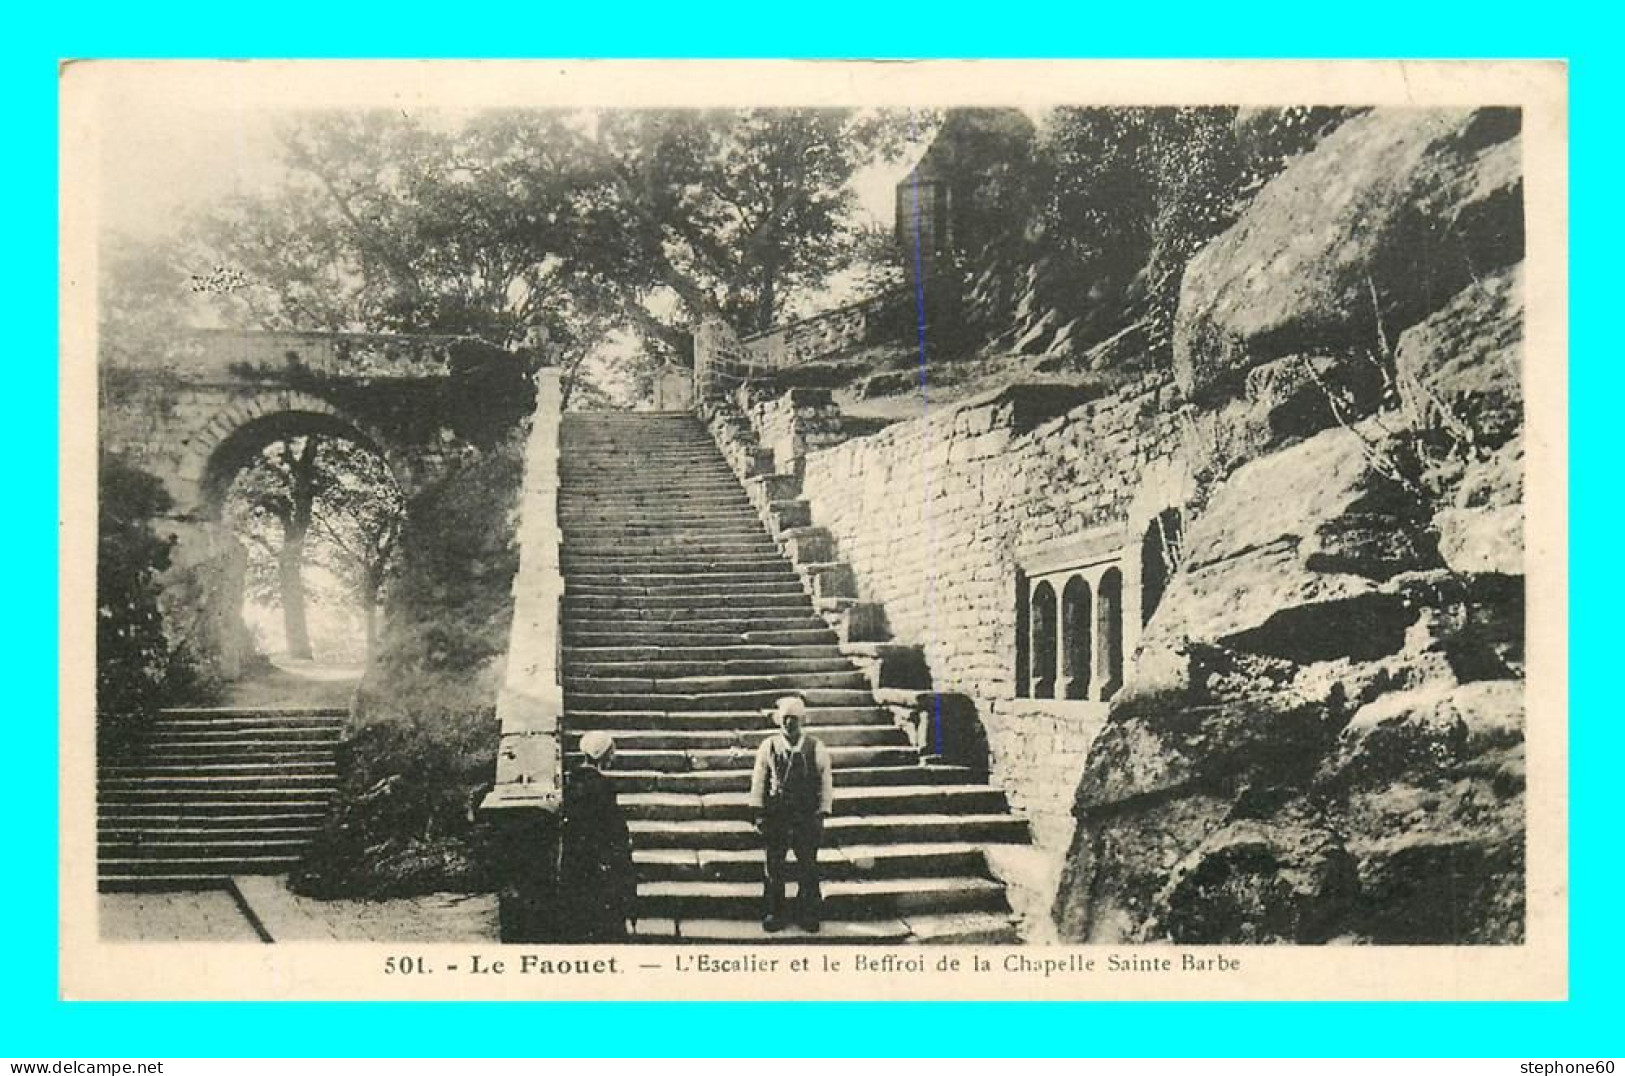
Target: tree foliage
(1130,194)
(323,501)
(138,667)
(505,223)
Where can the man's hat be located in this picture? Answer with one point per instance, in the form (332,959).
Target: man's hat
(595,745)
(789,704)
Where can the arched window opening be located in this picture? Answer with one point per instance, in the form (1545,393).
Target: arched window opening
(1075,639)
(1109,632)
(1161,551)
(1043,641)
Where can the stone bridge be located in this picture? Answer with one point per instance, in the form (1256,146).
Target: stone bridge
(195,410)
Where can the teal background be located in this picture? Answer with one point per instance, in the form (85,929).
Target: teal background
(34,1023)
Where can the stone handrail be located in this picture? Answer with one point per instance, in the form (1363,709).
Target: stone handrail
(530,706)
(343,355)
(827,333)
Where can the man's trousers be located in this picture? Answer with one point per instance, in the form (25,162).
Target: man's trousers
(800,834)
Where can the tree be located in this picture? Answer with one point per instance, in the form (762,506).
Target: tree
(314,499)
(138,666)
(1134,193)
(574,223)
(383,224)
(732,209)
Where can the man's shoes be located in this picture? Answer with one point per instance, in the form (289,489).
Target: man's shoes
(772,924)
(810,923)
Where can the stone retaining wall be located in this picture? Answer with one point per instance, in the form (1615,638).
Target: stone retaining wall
(937,515)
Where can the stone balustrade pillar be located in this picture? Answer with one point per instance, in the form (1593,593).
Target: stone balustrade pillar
(524,802)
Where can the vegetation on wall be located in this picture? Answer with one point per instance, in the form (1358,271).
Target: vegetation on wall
(141,664)
(421,746)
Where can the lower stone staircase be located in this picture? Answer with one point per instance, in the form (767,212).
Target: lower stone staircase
(683,622)
(210,793)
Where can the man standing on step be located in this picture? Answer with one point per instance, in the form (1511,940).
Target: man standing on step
(792,791)
(597,886)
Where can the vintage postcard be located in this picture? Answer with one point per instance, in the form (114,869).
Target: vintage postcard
(769,530)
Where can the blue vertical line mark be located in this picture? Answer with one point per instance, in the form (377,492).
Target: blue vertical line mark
(925,410)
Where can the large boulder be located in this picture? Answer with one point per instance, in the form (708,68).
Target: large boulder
(1259,881)
(1461,370)
(1378,226)
(1288,560)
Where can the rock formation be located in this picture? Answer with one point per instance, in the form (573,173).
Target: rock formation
(1322,737)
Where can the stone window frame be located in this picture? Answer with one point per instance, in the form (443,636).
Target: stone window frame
(1072,622)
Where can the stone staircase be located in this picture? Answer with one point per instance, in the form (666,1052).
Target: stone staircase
(683,621)
(208,794)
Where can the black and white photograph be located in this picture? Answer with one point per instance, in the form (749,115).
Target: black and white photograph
(707,516)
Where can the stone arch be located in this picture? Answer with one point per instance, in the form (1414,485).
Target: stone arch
(1109,632)
(214,454)
(1043,615)
(1166,484)
(209,562)
(1159,556)
(1076,624)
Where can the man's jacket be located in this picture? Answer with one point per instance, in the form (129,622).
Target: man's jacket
(797,781)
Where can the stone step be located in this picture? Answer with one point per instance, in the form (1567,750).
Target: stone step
(684,602)
(751,685)
(222,800)
(737,778)
(609,487)
(677,461)
(659,549)
(161,853)
(633,739)
(152,827)
(745,629)
(648,656)
(634,591)
(687,606)
(737,527)
(229,752)
(659,546)
(596,634)
(853,899)
(629,561)
(768,572)
(164,883)
(849,802)
(704,475)
(113,869)
(249,727)
(733,761)
(838,831)
(954,928)
(662,669)
(730,700)
(165,768)
(573,518)
(858,861)
(324,781)
(687,496)
(181,816)
(865,713)
(281,713)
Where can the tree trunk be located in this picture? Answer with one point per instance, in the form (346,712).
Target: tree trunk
(369,609)
(767,299)
(290,577)
(291,560)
